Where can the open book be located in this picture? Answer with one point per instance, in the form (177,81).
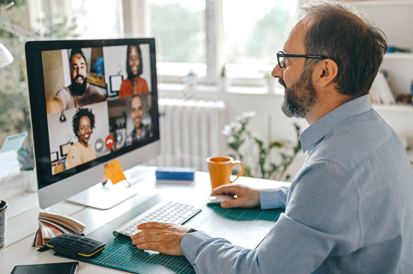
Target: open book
(52,225)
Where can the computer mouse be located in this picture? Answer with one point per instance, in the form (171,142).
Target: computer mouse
(218,199)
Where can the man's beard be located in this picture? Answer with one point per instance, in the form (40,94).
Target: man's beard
(79,89)
(300,98)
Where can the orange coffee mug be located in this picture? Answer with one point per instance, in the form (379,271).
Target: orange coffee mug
(220,168)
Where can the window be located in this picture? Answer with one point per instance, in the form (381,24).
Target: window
(246,36)
(179,28)
(254,33)
(95,21)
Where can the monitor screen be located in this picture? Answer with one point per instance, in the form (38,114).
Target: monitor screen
(94,101)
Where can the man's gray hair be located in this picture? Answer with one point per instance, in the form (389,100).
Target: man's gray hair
(337,30)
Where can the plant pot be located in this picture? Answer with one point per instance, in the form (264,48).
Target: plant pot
(270,85)
(224,83)
(29,180)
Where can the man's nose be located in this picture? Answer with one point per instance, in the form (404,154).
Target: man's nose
(277,72)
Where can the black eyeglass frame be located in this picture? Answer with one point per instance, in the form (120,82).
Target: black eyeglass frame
(283,54)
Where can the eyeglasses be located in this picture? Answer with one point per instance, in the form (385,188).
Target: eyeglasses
(281,57)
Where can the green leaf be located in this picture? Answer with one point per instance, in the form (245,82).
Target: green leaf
(276,144)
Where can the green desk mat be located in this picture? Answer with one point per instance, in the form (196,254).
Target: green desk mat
(249,225)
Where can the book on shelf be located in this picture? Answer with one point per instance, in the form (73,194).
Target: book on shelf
(381,92)
(52,225)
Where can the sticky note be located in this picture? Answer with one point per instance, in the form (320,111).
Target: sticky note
(14,142)
(114,171)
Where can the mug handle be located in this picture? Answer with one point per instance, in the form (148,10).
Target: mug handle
(237,162)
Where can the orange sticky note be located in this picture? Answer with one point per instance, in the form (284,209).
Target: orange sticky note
(114,171)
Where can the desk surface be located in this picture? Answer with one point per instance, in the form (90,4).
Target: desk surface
(24,210)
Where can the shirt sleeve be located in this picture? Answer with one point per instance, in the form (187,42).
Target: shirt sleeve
(321,220)
(63,96)
(71,158)
(274,198)
(96,94)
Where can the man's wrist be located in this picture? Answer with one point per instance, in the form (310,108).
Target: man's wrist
(188,232)
(191,231)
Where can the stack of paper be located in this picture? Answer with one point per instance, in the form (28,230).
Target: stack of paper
(52,225)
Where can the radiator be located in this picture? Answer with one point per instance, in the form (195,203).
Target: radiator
(190,131)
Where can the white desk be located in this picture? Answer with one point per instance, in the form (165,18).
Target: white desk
(24,210)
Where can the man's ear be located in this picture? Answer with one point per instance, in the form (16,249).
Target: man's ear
(325,72)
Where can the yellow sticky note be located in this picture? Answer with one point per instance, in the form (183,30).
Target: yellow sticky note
(114,171)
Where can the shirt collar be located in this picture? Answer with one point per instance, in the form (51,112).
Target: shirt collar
(321,127)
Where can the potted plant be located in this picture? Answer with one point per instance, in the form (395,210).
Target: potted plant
(26,161)
(270,81)
(224,81)
(247,147)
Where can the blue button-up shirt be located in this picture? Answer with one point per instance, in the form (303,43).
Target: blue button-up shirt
(348,210)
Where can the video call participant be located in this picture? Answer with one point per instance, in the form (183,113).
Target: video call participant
(81,152)
(140,131)
(134,84)
(349,209)
(79,93)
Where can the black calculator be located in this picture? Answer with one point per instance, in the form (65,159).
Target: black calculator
(75,245)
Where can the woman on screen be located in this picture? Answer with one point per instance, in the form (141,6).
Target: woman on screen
(134,84)
(81,152)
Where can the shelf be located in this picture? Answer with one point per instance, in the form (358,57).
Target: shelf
(379,3)
(399,56)
(398,108)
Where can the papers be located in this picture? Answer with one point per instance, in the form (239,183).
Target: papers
(14,142)
(52,225)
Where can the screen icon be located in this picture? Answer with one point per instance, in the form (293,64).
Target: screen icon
(109,142)
(99,145)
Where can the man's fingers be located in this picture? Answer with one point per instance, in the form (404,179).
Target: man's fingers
(152,225)
(149,246)
(146,232)
(225,190)
(238,202)
(147,238)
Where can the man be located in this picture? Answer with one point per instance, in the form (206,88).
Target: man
(349,208)
(81,152)
(140,131)
(79,93)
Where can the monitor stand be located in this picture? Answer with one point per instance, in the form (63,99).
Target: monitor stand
(105,196)
(101,196)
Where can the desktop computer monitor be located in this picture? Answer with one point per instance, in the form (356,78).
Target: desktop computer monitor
(91,102)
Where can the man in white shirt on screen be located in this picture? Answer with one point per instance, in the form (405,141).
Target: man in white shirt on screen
(349,209)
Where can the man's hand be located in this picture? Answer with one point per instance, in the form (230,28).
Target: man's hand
(246,197)
(162,237)
(54,105)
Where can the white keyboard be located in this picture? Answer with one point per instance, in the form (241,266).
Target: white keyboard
(166,212)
